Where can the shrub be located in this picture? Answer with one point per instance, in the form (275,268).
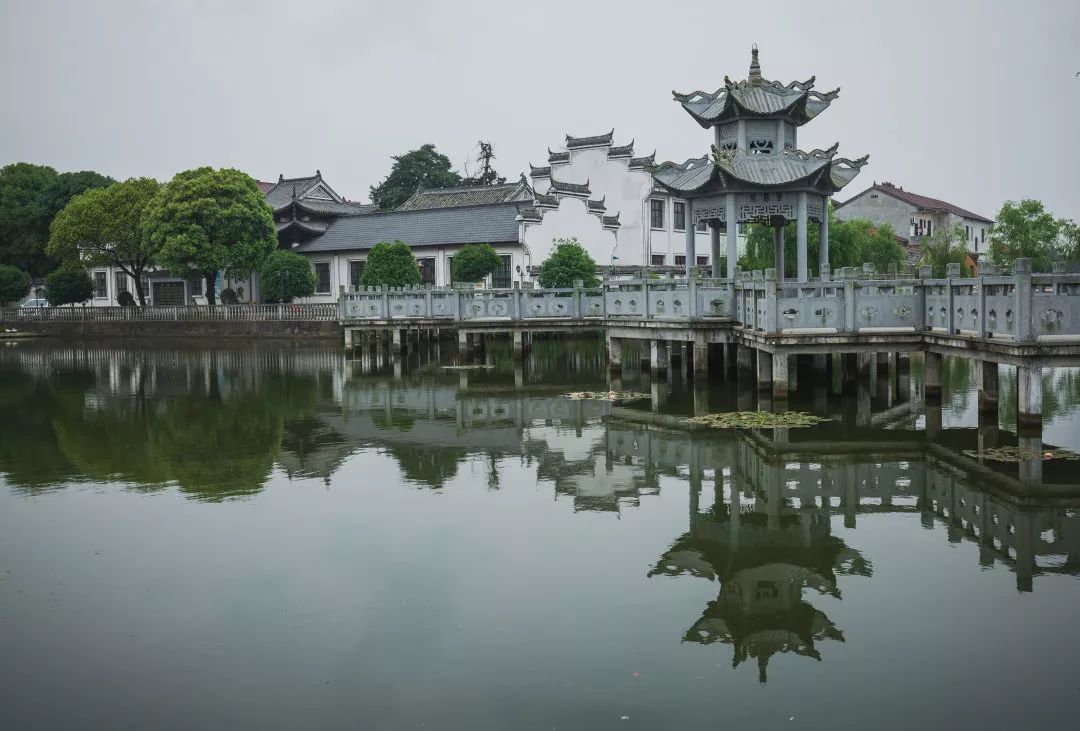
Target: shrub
(228,296)
(474,262)
(67,285)
(14,284)
(391,265)
(125,299)
(286,275)
(567,263)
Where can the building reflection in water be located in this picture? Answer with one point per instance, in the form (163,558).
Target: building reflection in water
(217,422)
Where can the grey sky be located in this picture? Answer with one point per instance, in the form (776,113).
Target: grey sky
(974,102)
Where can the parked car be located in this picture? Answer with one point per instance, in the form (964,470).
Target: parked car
(35,302)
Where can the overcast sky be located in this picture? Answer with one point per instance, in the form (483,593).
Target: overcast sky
(973,102)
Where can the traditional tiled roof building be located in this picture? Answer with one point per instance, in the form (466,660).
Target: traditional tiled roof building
(756,173)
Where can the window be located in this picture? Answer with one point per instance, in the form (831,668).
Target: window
(450,270)
(703,261)
(121,283)
(929,227)
(680,216)
(356,271)
(658,260)
(322,277)
(500,278)
(101,285)
(656,217)
(761,146)
(427,270)
(702,226)
(680,260)
(197,283)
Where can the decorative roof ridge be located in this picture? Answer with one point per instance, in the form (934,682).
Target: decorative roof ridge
(539,172)
(815,154)
(545,200)
(683,166)
(856,164)
(530,213)
(610,221)
(577,189)
(643,162)
(459,188)
(621,150)
(590,140)
(558,157)
(599,205)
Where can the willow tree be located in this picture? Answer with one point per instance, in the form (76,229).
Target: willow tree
(104,227)
(206,221)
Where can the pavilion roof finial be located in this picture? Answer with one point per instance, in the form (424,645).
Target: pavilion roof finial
(755,67)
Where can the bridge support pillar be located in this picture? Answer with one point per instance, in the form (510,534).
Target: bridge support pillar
(701,397)
(701,360)
(395,342)
(883,364)
(519,374)
(933,418)
(658,357)
(744,358)
(988,386)
(932,376)
(780,376)
(614,354)
(1029,395)
(821,364)
(863,362)
(519,344)
(862,403)
(765,370)
(463,342)
(348,338)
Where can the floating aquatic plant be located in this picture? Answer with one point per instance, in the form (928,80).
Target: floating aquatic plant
(475,367)
(613,396)
(757,420)
(1015,454)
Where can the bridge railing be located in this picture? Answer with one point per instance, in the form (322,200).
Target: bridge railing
(1019,305)
(181,313)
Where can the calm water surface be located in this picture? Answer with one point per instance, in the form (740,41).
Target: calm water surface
(277,537)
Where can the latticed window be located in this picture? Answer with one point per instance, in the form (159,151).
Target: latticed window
(658,260)
(322,277)
(680,216)
(427,271)
(121,283)
(101,285)
(656,213)
(761,146)
(500,278)
(356,271)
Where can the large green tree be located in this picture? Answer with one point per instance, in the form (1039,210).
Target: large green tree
(207,220)
(569,262)
(851,243)
(30,195)
(1027,230)
(104,227)
(473,262)
(286,275)
(425,168)
(390,264)
(14,284)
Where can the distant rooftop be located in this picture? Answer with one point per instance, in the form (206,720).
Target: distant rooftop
(922,202)
(474,195)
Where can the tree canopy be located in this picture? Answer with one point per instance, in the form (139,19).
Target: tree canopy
(948,246)
(1026,229)
(30,195)
(14,284)
(486,174)
(104,227)
(68,285)
(390,264)
(425,168)
(206,220)
(569,261)
(285,276)
(851,243)
(473,262)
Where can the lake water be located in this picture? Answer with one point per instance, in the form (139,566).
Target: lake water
(272,536)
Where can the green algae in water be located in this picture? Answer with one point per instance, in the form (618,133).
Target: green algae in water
(613,396)
(757,420)
(1015,454)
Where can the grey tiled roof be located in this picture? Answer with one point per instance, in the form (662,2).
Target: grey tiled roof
(531,214)
(743,98)
(428,227)
(921,202)
(557,186)
(474,195)
(535,172)
(611,221)
(621,150)
(333,208)
(597,206)
(782,168)
(573,143)
(311,226)
(643,163)
(557,157)
(286,189)
(542,199)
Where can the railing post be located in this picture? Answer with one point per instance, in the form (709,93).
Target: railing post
(771,317)
(457,304)
(575,300)
(691,286)
(925,272)
(515,302)
(341,302)
(950,315)
(1022,274)
(386,302)
(645,293)
(428,312)
(849,305)
(982,306)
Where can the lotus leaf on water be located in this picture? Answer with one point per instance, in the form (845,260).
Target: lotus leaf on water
(1015,454)
(473,367)
(613,396)
(757,420)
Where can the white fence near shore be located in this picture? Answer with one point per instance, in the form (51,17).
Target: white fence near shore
(325,312)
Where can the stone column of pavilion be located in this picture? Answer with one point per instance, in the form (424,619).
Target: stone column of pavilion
(756,173)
